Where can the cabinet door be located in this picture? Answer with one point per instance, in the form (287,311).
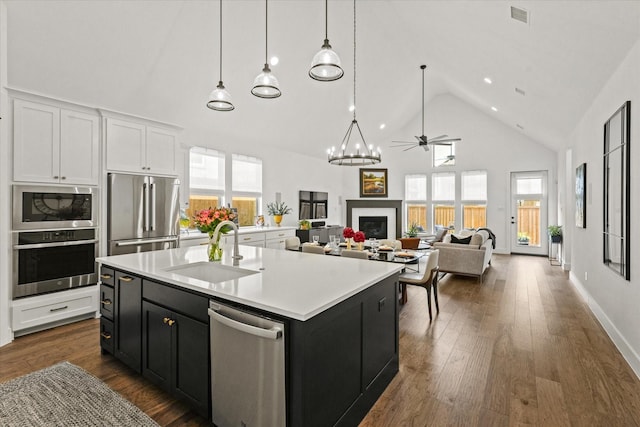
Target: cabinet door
(156,344)
(161,151)
(79,148)
(275,243)
(128,319)
(191,356)
(36,144)
(125,146)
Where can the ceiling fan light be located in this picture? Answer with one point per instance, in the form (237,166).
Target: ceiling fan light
(326,65)
(266,84)
(220,99)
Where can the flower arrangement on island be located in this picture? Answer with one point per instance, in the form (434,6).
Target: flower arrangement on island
(348,234)
(207,220)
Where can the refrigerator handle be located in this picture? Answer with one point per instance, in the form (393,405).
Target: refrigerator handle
(145,207)
(152,206)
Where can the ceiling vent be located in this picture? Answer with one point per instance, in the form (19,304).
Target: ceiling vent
(520,14)
(520,91)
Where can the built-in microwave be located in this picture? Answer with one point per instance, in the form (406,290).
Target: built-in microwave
(54,207)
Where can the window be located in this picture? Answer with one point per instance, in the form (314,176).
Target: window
(415,195)
(474,199)
(444,197)
(246,187)
(444,155)
(206,179)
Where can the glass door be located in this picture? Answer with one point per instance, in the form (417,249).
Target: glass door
(529,212)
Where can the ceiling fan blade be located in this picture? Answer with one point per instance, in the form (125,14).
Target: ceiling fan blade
(438,137)
(403,142)
(410,148)
(444,141)
(404,146)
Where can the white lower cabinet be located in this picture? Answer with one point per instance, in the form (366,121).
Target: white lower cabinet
(262,238)
(42,311)
(276,239)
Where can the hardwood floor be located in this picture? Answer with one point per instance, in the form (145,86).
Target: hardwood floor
(520,349)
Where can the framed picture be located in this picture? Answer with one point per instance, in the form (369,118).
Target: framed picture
(373,183)
(581,196)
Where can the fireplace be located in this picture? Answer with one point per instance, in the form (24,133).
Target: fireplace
(373,226)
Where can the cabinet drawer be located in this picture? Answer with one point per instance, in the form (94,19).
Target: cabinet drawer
(43,309)
(107,275)
(183,302)
(280,234)
(244,239)
(106,335)
(106,301)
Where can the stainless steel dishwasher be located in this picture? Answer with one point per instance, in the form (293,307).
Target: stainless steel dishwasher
(247,368)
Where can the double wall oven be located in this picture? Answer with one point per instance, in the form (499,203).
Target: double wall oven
(55,238)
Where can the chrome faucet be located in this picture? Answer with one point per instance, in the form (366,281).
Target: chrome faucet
(236,256)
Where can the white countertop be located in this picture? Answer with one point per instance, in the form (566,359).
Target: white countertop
(196,234)
(293,284)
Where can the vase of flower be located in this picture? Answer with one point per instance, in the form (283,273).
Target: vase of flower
(207,220)
(214,249)
(277,210)
(359,238)
(348,234)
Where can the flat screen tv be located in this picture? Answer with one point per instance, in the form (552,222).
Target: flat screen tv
(313,204)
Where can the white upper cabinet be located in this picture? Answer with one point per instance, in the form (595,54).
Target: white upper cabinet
(54,145)
(135,147)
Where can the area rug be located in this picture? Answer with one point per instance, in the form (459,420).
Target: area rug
(65,395)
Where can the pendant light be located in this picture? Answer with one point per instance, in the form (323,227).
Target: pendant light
(220,99)
(359,157)
(266,84)
(325,66)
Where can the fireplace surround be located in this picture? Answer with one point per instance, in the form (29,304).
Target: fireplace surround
(395,205)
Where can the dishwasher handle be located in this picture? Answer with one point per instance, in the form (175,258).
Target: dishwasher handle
(272,334)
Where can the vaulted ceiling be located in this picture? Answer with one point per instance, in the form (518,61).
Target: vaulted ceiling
(159,59)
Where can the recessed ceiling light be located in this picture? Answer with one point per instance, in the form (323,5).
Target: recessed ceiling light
(520,126)
(520,91)
(487,80)
(382,126)
(352,108)
(494,108)
(274,60)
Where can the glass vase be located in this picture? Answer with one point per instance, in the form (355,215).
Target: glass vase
(214,249)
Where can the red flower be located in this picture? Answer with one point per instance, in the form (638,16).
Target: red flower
(359,237)
(348,232)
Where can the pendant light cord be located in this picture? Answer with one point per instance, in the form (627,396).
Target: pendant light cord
(326,19)
(220,40)
(354,60)
(266,30)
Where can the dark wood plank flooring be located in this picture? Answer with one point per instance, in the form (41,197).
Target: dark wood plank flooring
(520,349)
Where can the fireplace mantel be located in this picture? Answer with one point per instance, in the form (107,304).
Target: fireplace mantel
(376,204)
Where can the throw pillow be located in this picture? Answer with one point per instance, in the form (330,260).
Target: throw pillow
(463,240)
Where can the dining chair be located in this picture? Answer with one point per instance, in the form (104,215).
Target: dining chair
(292,243)
(312,249)
(428,280)
(395,244)
(351,253)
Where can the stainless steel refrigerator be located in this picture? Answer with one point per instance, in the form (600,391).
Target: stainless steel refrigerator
(143,213)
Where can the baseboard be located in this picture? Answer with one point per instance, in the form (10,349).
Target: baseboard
(629,354)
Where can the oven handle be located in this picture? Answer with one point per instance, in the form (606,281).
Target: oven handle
(144,242)
(56,244)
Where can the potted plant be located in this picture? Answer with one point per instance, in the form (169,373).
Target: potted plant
(523,238)
(411,241)
(555,232)
(277,210)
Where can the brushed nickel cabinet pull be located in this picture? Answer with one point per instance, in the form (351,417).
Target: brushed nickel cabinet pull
(59,308)
(247,238)
(106,276)
(105,335)
(106,302)
(126,279)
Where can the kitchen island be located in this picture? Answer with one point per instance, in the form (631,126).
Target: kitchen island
(340,318)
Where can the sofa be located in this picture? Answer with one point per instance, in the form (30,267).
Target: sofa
(467,252)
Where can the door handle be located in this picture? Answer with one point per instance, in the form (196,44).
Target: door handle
(126,279)
(152,206)
(273,333)
(106,302)
(145,207)
(105,276)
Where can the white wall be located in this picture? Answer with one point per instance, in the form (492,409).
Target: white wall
(487,144)
(613,299)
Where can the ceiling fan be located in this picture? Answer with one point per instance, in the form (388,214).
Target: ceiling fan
(423,141)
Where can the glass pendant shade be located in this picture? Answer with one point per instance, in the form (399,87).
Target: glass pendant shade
(266,84)
(326,64)
(220,99)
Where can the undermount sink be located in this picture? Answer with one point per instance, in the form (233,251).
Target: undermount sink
(210,271)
